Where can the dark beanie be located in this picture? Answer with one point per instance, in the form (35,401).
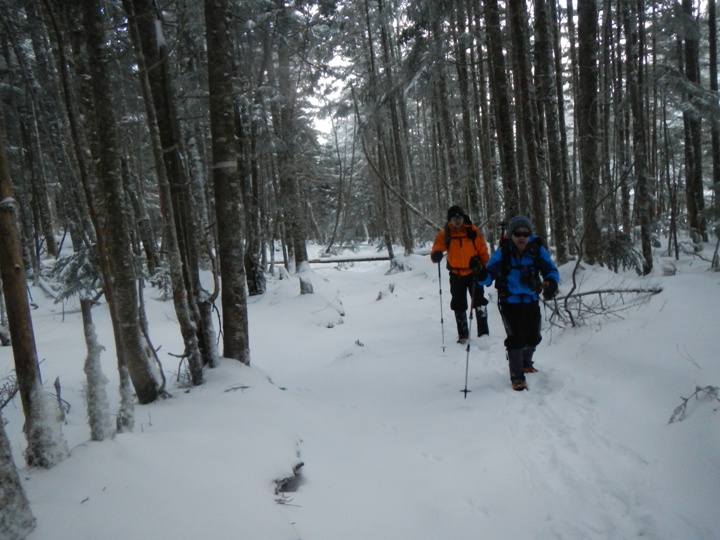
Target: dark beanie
(519,221)
(455,210)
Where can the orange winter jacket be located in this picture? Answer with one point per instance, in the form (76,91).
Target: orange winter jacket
(460,248)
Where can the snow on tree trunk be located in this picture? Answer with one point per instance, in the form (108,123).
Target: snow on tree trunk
(97,401)
(43,431)
(16,519)
(126,414)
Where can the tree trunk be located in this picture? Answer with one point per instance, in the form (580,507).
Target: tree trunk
(527,112)
(16,518)
(546,78)
(500,99)
(587,120)
(97,403)
(46,446)
(713,60)
(139,360)
(634,85)
(228,190)
(396,151)
(693,137)
(185,310)
(153,48)
(291,197)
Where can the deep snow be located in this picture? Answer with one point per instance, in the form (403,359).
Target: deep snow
(353,382)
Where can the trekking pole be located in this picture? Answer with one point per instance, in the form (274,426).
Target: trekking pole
(442,322)
(467,365)
(467,347)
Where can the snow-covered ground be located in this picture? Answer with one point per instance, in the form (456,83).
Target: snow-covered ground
(353,382)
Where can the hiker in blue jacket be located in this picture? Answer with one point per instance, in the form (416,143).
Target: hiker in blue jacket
(522,269)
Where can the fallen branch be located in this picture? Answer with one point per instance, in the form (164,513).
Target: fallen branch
(357,259)
(680,411)
(640,290)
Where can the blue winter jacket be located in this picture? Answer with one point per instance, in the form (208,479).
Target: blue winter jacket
(519,289)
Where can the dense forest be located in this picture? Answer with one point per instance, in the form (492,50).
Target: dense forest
(155,140)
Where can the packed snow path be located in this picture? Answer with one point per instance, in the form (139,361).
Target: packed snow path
(562,460)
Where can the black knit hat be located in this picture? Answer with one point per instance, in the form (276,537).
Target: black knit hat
(455,210)
(519,221)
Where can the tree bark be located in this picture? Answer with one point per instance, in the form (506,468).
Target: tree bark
(154,50)
(46,447)
(693,135)
(500,100)
(587,120)
(112,215)
(226,180)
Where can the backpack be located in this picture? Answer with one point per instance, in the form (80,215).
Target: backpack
(471,233)
(532,249)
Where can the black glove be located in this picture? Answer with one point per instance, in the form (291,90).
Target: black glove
(549,289)
(475,263)
(436,256)
(480,273)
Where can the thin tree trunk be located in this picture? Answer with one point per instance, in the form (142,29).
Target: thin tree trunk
(693,139)
(500,99)
(139,360)
(98,407)
(713,61)
(187,316)
(527,112)
(634,85)
(46,446)
(546,93)
(154,49)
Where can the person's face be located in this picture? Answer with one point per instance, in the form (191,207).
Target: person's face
(520,237)
(457,221)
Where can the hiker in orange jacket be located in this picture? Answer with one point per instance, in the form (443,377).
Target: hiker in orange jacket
(467,255)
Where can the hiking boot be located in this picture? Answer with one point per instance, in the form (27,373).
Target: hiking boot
(527,357)
(519,386)
(462,340)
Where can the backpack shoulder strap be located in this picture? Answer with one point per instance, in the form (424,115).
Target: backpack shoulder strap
(470,232)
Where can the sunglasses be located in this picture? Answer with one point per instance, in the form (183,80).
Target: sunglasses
(523,234)
(457,216)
